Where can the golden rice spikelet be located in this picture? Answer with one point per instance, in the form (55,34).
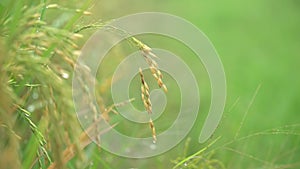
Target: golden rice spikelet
(149,55)
(145,93)
(153,130)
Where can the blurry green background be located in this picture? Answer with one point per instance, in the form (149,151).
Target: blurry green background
(258,43)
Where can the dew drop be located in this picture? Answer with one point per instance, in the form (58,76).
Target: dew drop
(65,75)
(31,108)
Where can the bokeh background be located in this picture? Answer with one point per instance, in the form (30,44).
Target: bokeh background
(258,44)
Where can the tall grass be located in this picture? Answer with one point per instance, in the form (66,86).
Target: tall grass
(39,44)
(37,116)
(39,128)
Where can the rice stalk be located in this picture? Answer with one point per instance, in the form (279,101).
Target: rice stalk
(145,93)
(40,59)
(149,57)
(147,103)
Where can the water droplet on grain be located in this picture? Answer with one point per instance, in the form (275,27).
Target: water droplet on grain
(65,75)
(31,108)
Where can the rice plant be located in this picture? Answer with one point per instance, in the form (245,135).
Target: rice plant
(37,60)
(37,114)
(39,44)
